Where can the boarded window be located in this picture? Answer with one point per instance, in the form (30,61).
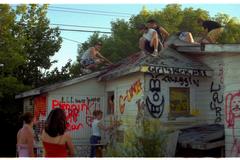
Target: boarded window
(179,101)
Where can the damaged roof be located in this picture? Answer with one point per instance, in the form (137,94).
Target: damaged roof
(169,62)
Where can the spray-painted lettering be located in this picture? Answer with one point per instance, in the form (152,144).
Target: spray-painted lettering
(183,81)
(217,100)
(134,90)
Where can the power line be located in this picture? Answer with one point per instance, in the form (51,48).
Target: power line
(71,40)
(71,25)
(78,9)
(76,30)
(98,14)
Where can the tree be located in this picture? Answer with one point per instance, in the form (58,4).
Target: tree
(41,43)
(124,38)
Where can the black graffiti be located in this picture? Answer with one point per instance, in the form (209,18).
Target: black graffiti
(177,71)
(216,102)
(154,101)
(183,81)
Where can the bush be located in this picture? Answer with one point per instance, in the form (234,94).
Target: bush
(149,140)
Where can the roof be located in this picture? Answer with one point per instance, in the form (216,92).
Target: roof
(47,88)
(169,62)
(203,48)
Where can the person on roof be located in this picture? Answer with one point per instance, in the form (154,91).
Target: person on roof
(149,41)
(186,37)
(162,33)
(91,58)
(212,30)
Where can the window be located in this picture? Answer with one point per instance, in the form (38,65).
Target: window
(110,107)
(179,101)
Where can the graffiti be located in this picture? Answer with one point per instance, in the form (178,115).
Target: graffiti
(183,81)
(140,113)
(177,71)
(232,111)
(217,100)
(40,105)
(134,90)
(74,107)
(154,100)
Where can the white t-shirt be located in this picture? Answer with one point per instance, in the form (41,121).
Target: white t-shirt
(148,36)
(95,128)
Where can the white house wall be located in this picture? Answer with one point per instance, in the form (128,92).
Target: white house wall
(232,105)
(164,100)
(210,94)
(79,101)
(123,87)
(226,85)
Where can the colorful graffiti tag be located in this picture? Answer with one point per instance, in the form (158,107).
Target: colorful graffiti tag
(154,100)
(232,112)
(134,90)
(73,107)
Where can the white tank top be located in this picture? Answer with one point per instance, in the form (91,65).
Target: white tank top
(148,36)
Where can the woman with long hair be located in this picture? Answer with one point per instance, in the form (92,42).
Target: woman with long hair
(56,142)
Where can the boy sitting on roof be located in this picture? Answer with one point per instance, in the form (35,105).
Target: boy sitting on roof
(149,41)
(212,30)
(162,33)
(91,58)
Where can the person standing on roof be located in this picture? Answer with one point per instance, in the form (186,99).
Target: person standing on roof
(162,33)
(149,41)
(212,30)
(92,57)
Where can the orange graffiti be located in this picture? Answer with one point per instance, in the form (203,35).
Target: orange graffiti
(134,90)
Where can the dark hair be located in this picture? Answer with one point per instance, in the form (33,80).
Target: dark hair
(151,21)
(141,26)
(98,43)
(27,117)
(56,123)
(97,112)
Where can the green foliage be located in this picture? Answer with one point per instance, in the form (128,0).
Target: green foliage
(146,141)
(41,42)
(124,38)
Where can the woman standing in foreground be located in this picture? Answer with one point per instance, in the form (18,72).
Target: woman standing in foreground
(56,142)
(25,137)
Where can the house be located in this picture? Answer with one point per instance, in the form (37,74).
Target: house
(187,85)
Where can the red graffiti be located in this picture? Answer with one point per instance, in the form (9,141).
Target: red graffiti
(73,127)
(40,105)
(232,112)
(66,106)
(72,111)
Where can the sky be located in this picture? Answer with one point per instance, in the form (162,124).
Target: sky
(103,19)
(101,14)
